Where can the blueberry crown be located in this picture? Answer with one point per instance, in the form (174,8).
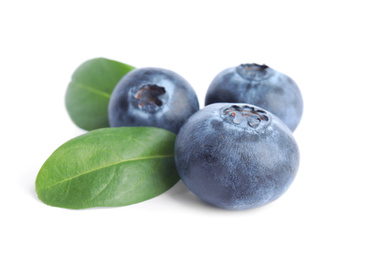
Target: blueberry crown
(148,97)
(245,114)
(253,71)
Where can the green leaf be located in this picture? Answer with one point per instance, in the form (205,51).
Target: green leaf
(109,167)
(89,91)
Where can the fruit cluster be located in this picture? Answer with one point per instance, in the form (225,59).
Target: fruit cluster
(238,152)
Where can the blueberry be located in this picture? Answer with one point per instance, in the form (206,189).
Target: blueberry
(152,97)
(259,85)
(236,156)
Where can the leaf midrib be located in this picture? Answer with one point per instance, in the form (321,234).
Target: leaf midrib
(107,166)
(82,85)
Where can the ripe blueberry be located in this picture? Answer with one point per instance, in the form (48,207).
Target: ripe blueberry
(236,156)
(259,85)
(152,97)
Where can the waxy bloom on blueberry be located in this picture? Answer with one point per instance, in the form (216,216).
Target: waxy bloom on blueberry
(236,156)
(152,97)
(259,85)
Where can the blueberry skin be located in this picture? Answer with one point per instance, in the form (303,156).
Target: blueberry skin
(152,97)
(259,85)
(236,156)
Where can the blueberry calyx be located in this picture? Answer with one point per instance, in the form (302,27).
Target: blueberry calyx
(241,115)
(149,97)
(253,71)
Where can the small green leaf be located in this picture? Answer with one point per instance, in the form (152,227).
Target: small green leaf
(89,91)
(109,167)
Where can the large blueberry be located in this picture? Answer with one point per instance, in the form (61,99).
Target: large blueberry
(259,85)
(236,156)
(152,97)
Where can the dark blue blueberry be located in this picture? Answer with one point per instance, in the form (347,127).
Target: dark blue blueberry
(236,156)
(152,97)
(261,86)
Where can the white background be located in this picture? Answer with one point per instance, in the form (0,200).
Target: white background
(322,45)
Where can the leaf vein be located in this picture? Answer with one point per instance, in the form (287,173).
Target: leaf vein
(102,93)
(153,169)
(106,185)
(107,166)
